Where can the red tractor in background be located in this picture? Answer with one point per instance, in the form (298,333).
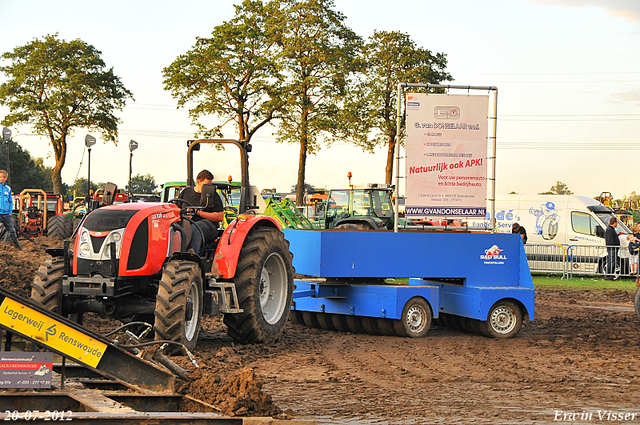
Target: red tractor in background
(40,213)
(129,261)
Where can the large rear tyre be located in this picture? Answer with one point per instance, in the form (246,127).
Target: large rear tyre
(264,284)
(504,320)
(59,226)
(46,288)
(416,319)
(637,303)
(179,304)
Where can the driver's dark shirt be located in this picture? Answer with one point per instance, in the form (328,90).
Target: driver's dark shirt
(193,198)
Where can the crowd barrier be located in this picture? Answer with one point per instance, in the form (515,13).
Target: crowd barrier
(570,260)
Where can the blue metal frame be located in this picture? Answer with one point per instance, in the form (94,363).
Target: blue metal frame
(462,274)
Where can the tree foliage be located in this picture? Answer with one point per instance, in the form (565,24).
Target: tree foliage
(558,189)
(232,74)
(142,184)
(25,172)
(79,187)
(57,86)
(391,58)
(319,55)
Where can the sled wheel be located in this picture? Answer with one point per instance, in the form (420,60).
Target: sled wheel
(447,319)
(370,325)
(46,288)
(264,284)
(310,319)
(465,324)
(386,327)
(416,319)
(179,304)
(295,316)
(504,320)
(325,322)
(355,324)
(475,326)
(340,322)
(59,226)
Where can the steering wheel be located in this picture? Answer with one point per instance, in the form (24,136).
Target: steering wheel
(187,210)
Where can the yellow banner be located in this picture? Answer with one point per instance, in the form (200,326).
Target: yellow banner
(51,333)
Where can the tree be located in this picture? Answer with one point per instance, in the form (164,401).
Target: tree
(391,57)
(142,184)
(79,187)
(231,75)
(558,189)
(57,86)
(26,172)
(319,55)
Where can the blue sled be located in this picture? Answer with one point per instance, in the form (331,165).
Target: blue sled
(478,282)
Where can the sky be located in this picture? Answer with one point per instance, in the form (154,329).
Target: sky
(567,73)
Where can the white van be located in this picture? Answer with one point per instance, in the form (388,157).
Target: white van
(575,222)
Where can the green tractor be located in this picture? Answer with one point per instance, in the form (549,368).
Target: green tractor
(361,207)
(229,192)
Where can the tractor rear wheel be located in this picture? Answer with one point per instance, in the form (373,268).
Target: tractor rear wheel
(264,284)
(46,288)
(59,226)
(179,304)
(637,302)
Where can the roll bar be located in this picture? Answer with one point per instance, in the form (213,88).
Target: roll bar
(245,148)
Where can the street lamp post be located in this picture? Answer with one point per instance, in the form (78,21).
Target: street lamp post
(133,145)
(89,141)
(6,136)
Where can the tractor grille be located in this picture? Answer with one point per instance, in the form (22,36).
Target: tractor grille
(97,243)
(106,220)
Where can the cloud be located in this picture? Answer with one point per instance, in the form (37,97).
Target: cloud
(629,96)
(627,9)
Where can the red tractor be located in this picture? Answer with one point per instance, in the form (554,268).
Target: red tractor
(40,213)
(129,261)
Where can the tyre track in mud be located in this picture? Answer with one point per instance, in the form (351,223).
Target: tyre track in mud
(568,358)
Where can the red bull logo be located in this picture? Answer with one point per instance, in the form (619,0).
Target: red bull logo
(493,253)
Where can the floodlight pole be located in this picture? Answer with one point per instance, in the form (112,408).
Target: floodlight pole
(6,136)
(133,145)
(89,141)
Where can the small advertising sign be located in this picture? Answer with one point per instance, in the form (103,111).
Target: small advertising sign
(446,155)
(25,370)
(54,334)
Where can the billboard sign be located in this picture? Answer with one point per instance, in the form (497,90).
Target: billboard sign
(446,155)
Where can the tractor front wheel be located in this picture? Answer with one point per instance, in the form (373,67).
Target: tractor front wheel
(46,288)
(179,304)
(264,284)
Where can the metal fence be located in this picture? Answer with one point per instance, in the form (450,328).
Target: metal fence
(572,260)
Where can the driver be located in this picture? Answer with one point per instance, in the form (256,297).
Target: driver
(207,219)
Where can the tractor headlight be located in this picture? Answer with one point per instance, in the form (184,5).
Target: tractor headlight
(84,237)
(85,250)
(115,237)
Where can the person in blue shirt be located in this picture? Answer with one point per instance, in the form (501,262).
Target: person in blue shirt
(6,208)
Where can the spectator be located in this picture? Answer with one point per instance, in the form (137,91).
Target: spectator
(516,228)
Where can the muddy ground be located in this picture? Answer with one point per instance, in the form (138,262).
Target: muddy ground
(577,360)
